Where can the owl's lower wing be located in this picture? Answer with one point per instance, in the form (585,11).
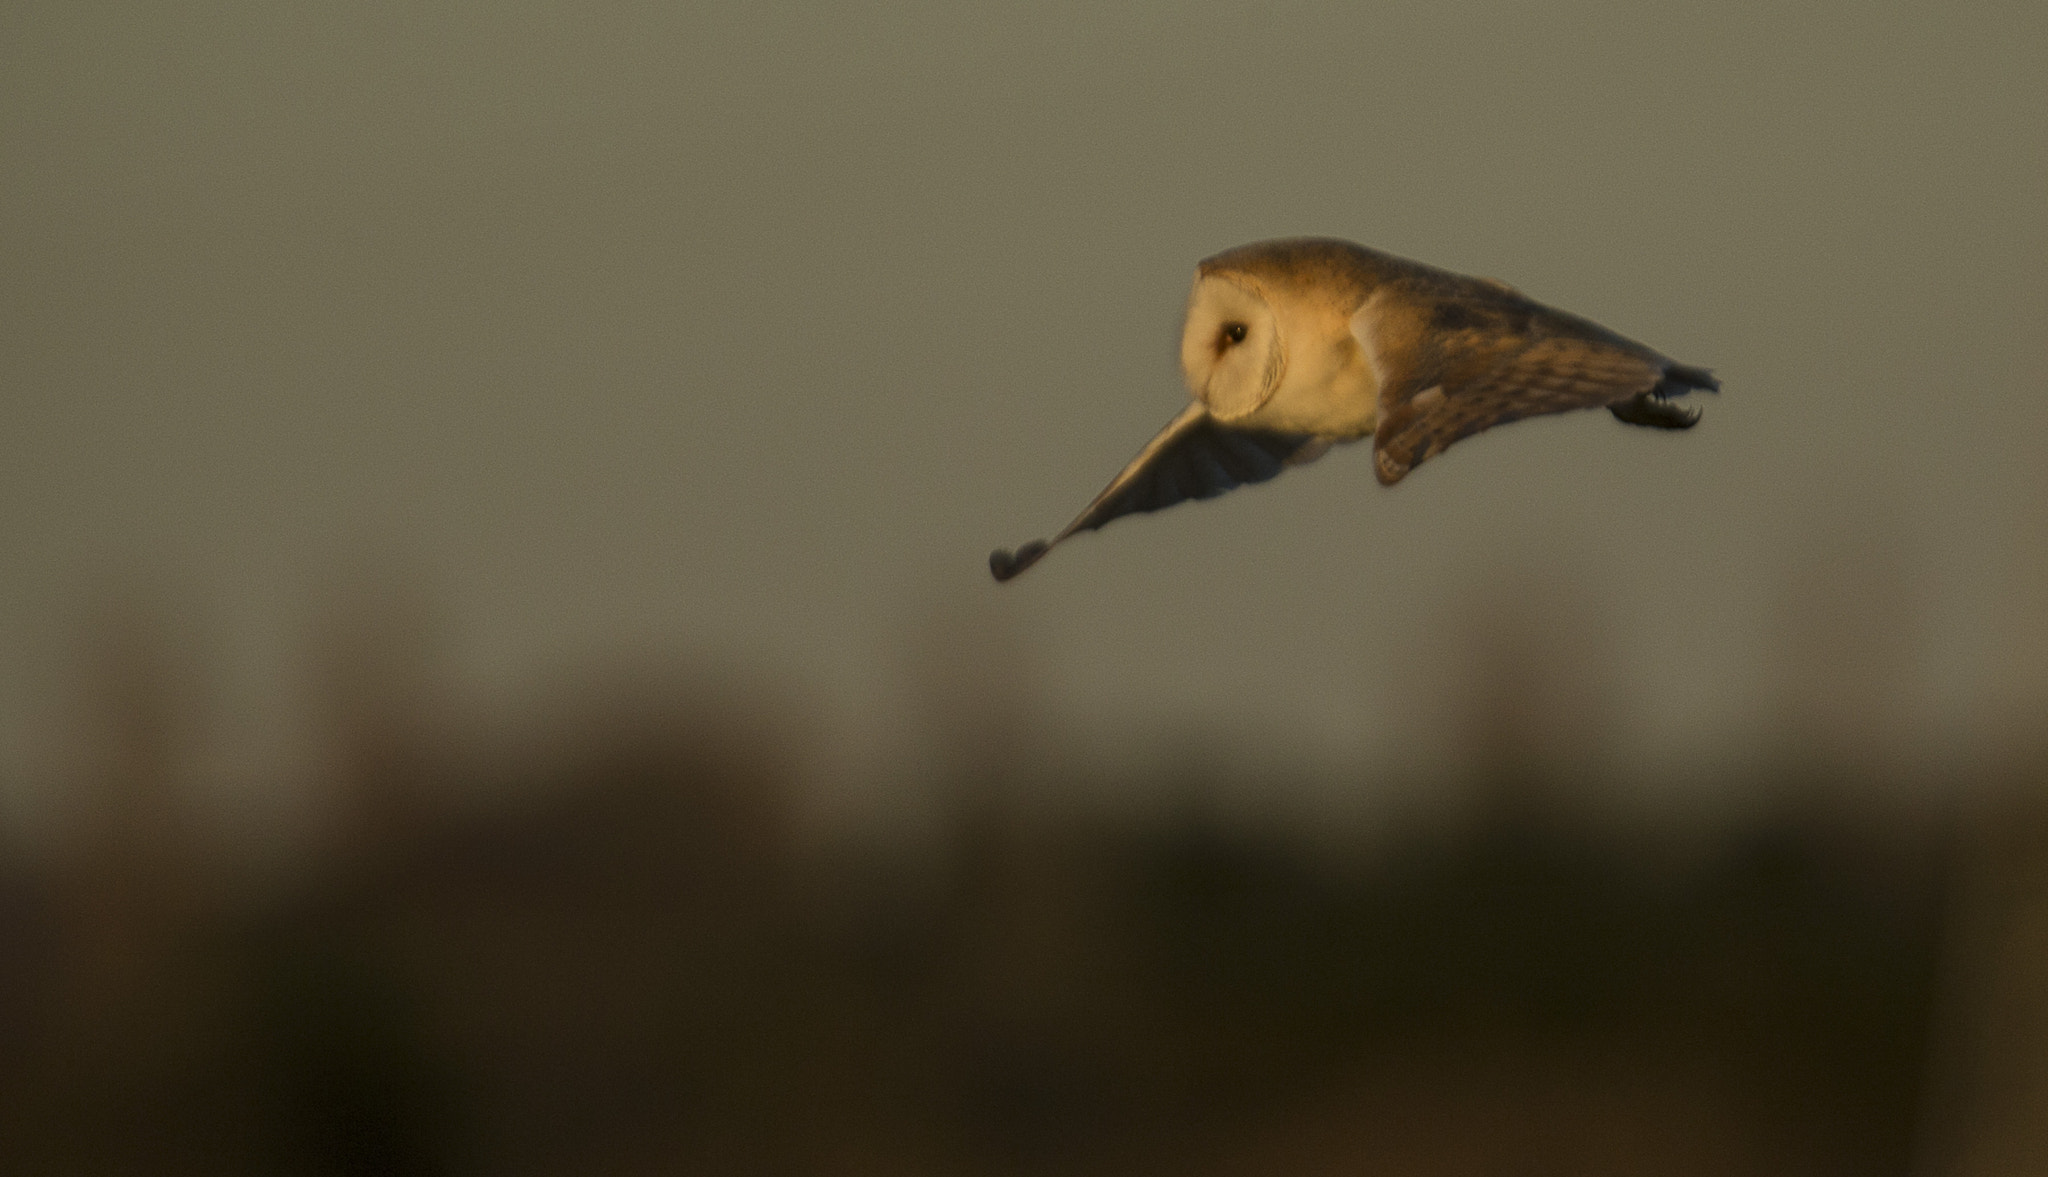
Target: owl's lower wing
(1465,366)
(1194,457)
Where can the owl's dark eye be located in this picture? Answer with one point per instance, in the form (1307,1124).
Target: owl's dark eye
(1233,333)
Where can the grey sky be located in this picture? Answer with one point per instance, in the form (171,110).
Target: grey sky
(744,334)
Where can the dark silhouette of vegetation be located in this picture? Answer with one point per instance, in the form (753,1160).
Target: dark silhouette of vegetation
(614,955)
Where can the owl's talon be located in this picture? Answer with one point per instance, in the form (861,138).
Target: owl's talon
(1654,411)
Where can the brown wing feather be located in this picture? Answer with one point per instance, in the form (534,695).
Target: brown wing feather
(1485,357)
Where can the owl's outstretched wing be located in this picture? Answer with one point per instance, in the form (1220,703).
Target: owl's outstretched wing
(1194,457)
(1461,360)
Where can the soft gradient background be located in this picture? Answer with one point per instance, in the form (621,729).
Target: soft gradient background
(437,367)
(703,328)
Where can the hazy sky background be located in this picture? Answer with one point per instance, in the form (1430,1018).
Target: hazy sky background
(739,334)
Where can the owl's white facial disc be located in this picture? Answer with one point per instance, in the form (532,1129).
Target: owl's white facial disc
(1230,349)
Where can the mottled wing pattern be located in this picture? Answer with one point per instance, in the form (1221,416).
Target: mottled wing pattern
(1470,363)
(1194,457)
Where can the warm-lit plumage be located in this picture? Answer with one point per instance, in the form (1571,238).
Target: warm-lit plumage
(1293,345)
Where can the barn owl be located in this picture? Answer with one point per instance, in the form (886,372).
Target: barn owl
(1294,345)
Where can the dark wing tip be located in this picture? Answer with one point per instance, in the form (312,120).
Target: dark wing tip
(1005,563)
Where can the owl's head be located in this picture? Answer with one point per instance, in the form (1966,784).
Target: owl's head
(1230,349)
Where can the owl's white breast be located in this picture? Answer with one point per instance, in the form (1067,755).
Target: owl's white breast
(1329,387)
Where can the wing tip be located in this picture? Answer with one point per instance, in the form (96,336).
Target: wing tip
(1004,563)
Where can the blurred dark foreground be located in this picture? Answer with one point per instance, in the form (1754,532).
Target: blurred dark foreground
(635,966)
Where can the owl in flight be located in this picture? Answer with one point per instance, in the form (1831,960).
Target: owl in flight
(1291,346)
